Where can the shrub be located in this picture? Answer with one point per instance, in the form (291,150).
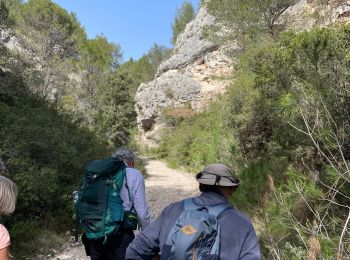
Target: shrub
(44,151)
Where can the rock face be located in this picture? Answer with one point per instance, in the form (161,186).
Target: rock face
(308,13)
(191,76)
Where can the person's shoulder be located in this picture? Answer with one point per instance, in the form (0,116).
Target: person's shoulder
(3,229)
(4,237)
(237,216)
(134,171)
(172,207)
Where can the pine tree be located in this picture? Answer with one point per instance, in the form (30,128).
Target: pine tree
(183,16)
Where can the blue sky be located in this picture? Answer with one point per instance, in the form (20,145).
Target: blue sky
(134,24)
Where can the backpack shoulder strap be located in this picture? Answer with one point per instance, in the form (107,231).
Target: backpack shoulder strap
(131,199)
(215,210)
(189,204)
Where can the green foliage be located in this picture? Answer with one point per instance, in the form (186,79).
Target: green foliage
(54,85)
(285,123)
(252,21)
(5,24)
(115,116)
(157,54)
(4,15)
(296,105)
(11,87)
(13,3)
(198,140)
(44,151)
(60,30)
(140,71)
(292,213)
(24,233)
(51,40)
(258,180)
(101,55)
(145,68)
(183,16)
(174,116)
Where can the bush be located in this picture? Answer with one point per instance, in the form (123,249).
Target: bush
(295,105)
(197,140)
(44,151)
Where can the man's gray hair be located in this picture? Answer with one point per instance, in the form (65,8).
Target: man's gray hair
(125,154)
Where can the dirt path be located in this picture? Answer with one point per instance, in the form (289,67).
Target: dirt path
(163,186)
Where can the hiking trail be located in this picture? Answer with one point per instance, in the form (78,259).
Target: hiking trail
(163,186)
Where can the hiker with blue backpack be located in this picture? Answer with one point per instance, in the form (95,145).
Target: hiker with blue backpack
(110,205)
(206,227)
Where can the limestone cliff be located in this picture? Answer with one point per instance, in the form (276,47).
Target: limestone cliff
(191,76)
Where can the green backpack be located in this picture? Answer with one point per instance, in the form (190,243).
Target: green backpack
(99,208)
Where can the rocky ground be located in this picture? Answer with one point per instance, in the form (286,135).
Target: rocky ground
(163,186)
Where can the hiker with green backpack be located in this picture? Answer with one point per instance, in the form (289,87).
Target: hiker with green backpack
(206,227)
(110,204)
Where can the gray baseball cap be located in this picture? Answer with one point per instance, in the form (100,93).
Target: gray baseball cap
(217,174)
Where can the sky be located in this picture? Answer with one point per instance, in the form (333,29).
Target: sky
(134,24)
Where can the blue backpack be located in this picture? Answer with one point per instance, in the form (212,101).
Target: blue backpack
(195,234)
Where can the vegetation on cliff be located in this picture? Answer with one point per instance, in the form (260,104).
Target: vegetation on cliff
(284,126)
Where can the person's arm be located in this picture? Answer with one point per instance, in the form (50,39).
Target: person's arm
(140,203)
(5,253)
(146,244)
(250,249)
